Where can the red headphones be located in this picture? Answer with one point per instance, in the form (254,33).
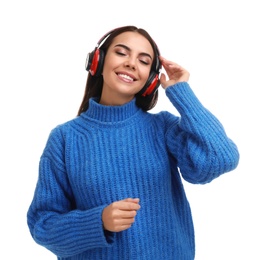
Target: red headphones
(95,62)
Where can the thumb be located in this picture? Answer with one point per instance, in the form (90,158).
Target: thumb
(163,80)
(134,200)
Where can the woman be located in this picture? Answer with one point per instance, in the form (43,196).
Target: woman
(110,180)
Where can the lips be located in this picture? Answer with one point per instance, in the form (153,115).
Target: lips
(126,77)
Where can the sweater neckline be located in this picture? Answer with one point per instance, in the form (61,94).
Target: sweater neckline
(105,113)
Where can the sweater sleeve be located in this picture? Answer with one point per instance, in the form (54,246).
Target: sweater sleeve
(197,139)
(53,220)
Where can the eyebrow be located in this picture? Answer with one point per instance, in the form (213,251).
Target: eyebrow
(129,49)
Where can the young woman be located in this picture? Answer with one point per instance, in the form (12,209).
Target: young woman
(110,180)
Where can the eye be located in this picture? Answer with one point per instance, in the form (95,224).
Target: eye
(145,62)
(120,53)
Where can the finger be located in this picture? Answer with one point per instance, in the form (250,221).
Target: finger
(127,222)
(118,228)
(129,206)
(167,63)
(163,80)
(171,67)
(134,200)
(123,227)
(123,220)
(118,222)
(128,214)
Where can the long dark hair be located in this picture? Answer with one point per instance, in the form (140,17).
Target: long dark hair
(94,85)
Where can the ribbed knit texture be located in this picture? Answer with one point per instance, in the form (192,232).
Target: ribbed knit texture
(110,153)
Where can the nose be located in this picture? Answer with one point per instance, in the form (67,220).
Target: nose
(130,63)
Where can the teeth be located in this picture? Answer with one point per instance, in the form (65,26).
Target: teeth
(126,77)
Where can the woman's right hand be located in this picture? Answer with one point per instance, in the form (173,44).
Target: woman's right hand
(175,73)
(120,215)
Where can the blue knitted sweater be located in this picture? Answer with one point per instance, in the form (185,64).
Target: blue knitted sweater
(110,153)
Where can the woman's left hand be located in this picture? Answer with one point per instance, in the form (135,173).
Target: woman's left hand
(174,72)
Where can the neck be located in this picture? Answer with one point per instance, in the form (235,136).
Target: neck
(102,113)
(114,99)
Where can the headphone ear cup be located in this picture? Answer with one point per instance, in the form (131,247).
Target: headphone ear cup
(89,60)
(151,85)
(101,57)
(95,62)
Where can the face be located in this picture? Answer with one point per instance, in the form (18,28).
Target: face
(126,68)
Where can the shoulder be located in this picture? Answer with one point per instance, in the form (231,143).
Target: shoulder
(62,128)
(58,135)
(165,119)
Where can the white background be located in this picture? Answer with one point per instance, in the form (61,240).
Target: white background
(42,57)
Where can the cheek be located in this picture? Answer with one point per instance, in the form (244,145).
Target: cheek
(108,63)
(106,71)
(145,74)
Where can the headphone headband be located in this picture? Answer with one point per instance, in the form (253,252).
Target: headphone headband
(104,37)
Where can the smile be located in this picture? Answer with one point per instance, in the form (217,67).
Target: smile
(126,77)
